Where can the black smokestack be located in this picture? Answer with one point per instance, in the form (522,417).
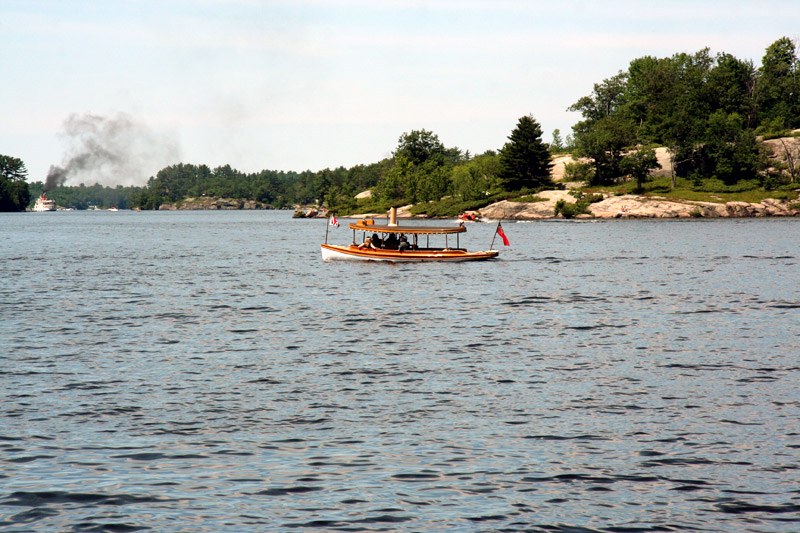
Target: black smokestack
(110,151)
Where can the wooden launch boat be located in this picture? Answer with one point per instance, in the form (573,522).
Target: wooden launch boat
(391,242)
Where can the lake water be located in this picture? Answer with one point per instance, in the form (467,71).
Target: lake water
(206,371)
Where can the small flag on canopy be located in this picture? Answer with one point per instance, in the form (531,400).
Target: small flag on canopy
(502,234)
(333,221)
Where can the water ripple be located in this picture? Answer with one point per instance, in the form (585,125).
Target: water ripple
(167,372)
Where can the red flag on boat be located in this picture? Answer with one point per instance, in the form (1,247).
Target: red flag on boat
(502,235)
(334,222)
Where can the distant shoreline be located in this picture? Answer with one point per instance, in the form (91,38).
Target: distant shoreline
(611,207)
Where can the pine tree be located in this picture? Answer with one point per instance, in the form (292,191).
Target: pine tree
(14,192)
(525,159)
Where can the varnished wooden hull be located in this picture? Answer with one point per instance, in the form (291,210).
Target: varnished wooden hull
(353,253)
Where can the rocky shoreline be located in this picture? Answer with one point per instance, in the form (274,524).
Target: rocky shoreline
(611,207)
(624,206)
(209,203)
(632,206)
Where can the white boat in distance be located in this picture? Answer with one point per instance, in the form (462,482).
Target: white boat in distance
(43,204)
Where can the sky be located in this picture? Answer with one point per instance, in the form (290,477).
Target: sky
(299,85)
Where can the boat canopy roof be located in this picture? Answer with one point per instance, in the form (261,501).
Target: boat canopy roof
(369,225)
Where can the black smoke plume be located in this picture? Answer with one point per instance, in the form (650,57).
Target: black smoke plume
(110,151)
(56,177)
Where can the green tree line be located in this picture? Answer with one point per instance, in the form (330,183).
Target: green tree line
(276,189)
(708,110)
(84,197)
(420,170)
(445,181)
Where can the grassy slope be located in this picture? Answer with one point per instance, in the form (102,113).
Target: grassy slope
(709,191)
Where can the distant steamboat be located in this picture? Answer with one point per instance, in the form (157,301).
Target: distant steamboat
(43,204)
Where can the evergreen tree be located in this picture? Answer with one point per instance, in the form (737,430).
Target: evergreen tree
(420,146)
(730,152)
(639,164)
(474,179)
(558,144)
(421,171)
(605,142)
(525,159)
(778,86)
(14,192)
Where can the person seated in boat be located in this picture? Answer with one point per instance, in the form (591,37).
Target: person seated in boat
(376,241)
(369,242)
(390,242)
(403,243)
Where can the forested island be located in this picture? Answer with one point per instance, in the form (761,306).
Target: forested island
(698,127)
